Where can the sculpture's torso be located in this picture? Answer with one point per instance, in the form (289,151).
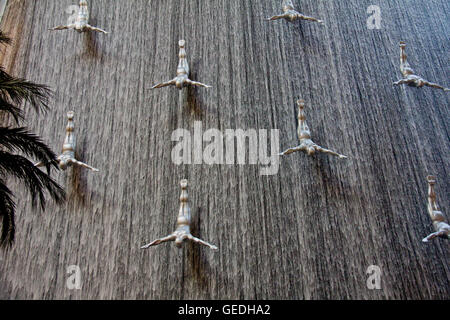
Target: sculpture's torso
(442,226)
(182,232)
(292,15)
(416,81)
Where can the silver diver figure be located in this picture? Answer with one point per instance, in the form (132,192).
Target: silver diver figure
(82,21)
(291,15)
(67,158)
(438,218)
(182,79)
(182,231)
(304,135)
(409,77)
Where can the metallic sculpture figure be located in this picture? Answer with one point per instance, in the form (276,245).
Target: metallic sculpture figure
(409,77)
(81,23)
(291,15)
(67,158)
(304,134)
(182,231)
(182,79)
(438,218)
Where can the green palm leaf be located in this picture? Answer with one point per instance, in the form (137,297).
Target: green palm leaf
(7,209)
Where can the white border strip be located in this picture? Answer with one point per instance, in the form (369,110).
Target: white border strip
(2,8)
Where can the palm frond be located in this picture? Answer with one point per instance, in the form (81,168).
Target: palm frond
(13,93)
(18,90)
(11,109)
(35,180)
(4,38)
(20,139)
(7,212)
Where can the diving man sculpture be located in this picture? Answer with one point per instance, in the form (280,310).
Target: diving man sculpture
(182,79)
(291,15)
(182,231)
(67,158)
(82,21)
(304,135)
(409,77)
(438,218)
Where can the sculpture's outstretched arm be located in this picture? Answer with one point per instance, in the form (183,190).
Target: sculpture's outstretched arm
(292,150)
(40,164)
(82,164)
(303,17)
(71,26)
(197,84)
(434,85)
(165,84)
(403,81)
(197,240)
(47,165)
(95,29)
(435,235)
(283,16)
(323,150)
(158,241)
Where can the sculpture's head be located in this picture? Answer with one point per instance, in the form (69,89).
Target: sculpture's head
(311,151)
(182,43)
(292,16)
(179,241)
(83,3)
(179,83)
(63,164)
(70,115)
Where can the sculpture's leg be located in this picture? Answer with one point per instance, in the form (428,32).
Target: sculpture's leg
(96,29)
(158,241)
(82,164)
(165,84)
(404,65)
(432,195)
(197,240)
